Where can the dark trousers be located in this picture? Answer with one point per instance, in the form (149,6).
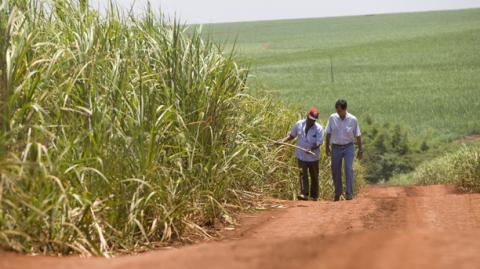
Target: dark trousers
(305,168)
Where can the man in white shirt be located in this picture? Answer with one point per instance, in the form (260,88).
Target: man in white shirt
(342,130)
(309,136)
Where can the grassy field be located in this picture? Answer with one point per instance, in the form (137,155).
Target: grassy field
(417,69)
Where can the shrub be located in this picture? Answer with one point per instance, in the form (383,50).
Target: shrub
(388,151)
(461,168)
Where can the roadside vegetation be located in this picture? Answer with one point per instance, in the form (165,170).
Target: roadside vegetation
(394,150)
(389,150)
(460,168)
(119,133)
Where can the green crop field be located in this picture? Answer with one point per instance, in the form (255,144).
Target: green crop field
(417,69)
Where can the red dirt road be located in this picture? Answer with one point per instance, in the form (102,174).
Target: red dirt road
(386,227)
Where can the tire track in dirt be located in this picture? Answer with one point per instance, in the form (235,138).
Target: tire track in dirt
(385,227)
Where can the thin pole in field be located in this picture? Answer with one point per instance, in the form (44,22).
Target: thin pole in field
(332,76)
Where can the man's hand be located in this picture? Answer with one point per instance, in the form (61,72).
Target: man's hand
(360,148)
(283,140)
(315,147)
(360,154)
(327,145)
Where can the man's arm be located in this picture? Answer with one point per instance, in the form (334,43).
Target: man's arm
(328,131)
(290,136)
(360,148)
(286,139)
(358,135)
(327,144)
(319,140)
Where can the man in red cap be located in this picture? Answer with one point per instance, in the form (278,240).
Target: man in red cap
(309,136)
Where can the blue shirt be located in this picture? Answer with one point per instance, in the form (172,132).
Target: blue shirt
(313,138)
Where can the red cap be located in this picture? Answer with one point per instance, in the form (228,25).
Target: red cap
(313,113)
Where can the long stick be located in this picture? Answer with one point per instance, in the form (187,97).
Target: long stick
(293,146)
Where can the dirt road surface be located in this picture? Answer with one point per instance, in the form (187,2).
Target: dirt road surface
(385,227)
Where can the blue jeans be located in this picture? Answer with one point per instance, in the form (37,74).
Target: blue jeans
(340,153)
